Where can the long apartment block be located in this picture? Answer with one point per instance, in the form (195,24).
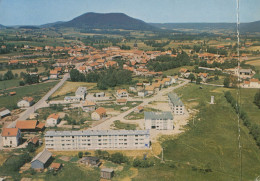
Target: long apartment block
(97,139)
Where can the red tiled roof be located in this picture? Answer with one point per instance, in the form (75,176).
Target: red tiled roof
(28,124)
(10,131)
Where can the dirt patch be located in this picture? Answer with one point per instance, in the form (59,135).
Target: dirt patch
(65,158)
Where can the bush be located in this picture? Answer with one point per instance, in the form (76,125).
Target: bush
(21,83)
(142,163)
(80,154)
(118,158)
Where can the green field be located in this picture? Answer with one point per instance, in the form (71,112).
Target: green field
(208,144)
(175,71)
(36,91)
(5,84)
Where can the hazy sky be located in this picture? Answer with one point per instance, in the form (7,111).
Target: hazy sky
(36,12)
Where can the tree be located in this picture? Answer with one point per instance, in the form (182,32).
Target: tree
(118,158)
(8,75)
(226,82)
(80,154)
(257,99)
(198,80)
(191,77)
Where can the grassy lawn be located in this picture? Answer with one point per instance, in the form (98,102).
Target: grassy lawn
(5,84)
(247,104)
(175,71)
(36,91)
(210,143)
(126,126)
(133,115)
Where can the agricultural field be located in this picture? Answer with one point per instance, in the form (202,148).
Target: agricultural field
(209,148)
(36,91)
(5,84)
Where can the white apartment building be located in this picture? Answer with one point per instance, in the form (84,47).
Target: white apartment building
(158,120)
(97,139)
(176,104)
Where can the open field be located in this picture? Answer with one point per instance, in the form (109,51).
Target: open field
(208,144)
(5,84)
(69,87)
(18,71)
(36,91)
(255,62)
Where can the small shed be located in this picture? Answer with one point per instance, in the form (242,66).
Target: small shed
(91,161)
(40,161)
(107,173)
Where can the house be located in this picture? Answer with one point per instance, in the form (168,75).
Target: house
(52,120)
(142,93)
(98,114)
(26,102)
(183,71)
(245,73)
(150,89)
(97,139)
(121,101)
(34,141)
(121,93)
(99,94)
(203,76)
(54,74)
(139,86)
(139,109)
(107,173)
(41,160)
(4,112)
(11,137)
(167,81)
(90,161)
(81,93)
(89,106)
(55,166)
(158,120)
(29,125)
(71,99)
(176,104)
(252,83)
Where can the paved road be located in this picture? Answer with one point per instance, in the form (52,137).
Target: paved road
(42,102)
(106,124)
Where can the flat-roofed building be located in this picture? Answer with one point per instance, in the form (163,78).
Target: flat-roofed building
(97,139)
(81,93)
(176,104)
(158,120)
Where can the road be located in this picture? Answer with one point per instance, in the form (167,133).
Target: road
(106,124)
(42,102)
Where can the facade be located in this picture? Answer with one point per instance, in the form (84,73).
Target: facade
(71,99)
(52,120)
(41,159)
(26,102)
(252,83)
(176,104)
(100,94)
(122,93)
(158,120)
(97,139)
(107,173)
(11,137)
(99,114)
(142,93)
(81,93)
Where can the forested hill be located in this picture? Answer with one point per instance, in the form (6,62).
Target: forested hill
(106,21)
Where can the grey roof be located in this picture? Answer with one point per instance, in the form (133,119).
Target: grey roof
(4,112)
(245,70)
(43,156)
(158,115)
(91,158)
(71,97)
(81,91)
(97,132)
(175,99)
(107,170)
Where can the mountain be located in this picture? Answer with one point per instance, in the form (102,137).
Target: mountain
(48,25)
(196,26)
(2,26)
(107,21)
(252,27)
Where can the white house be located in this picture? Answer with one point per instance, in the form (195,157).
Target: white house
(89,106)
(121,93)
(52,120)
(26,102)
(81,93)
(11,137)
(142,93)
(158,120)
(176,104)
(98,114)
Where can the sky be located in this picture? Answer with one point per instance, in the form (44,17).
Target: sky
(37,12)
